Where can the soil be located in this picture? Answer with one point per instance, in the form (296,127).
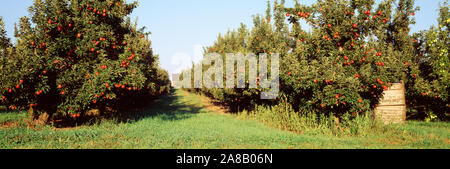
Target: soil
(212,105)
(9,125)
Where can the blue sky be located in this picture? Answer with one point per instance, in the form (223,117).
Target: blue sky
(179,25)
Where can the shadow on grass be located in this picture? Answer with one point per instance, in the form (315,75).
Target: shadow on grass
(169,108)
(3,110)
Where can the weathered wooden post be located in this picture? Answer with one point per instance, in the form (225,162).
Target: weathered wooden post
(392,108)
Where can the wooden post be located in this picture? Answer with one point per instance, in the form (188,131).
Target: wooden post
(392,108)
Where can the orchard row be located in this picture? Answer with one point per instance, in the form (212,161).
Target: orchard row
(354,51)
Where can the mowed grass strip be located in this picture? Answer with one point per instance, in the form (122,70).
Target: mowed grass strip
(180,121)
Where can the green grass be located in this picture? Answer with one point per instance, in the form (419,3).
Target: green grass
(179,121)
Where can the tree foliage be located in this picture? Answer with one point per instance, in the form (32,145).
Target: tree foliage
(80,55)
(352,51)
(430,85)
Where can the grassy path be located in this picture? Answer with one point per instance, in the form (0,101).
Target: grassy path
(182,121)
